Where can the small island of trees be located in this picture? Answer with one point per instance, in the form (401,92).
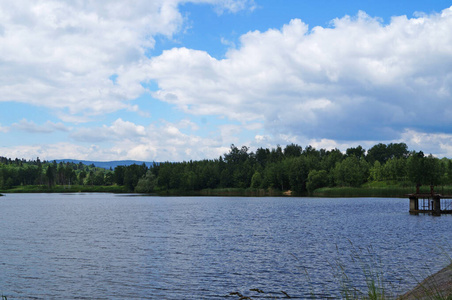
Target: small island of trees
(273,171)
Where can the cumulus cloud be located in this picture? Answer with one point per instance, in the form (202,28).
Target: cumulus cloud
(65,54)
(357,80)
(438,144)
(119,130)
(50,151)
(160,142)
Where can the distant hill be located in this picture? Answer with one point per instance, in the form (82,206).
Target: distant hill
(106,164)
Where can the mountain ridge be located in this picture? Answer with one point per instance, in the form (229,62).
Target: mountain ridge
(106,164)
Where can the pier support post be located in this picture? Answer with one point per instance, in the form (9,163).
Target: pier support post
(436,209)
(414,205)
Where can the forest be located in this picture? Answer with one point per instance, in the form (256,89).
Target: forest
(292,168)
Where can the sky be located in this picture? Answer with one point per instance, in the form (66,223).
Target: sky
(175,80)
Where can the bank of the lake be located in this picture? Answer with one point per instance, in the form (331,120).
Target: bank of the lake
(118,189)
(436,286)
(392,192)
(380,190)
(65,189)
(226,192)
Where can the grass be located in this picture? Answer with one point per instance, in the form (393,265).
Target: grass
(121,189)
(375,286)
(436,286)
(65,189)
(240,192)
(363,192)
(372,189)
(378,189)
(370,283)
(229,192)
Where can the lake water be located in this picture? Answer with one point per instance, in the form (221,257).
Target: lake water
(104,246)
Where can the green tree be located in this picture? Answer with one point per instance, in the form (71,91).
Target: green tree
(90,178)
(242,174)
(147,183)
(50,175)
(383,153)
(109,178)
(297,170)
(188,180)
(357,152)
(119,175)
(236,156)
(395,169)
(352,171)
(262,156)
(375,172)
(292,150)
(98,178)
(209,175)
(330,158)
(432,171)
(256,180)
(276,176)
(317,179)
(81,177)
(378,153)
(164,175)
(132,174)
(415,166)
(398,150)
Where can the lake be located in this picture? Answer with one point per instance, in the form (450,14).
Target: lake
(105,246)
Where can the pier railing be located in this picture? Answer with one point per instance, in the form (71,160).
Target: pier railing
(431,203)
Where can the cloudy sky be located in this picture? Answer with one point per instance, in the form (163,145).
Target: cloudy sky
(175,80)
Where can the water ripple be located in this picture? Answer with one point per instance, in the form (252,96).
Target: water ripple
(106,246)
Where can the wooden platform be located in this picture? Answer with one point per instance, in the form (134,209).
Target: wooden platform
(430,203)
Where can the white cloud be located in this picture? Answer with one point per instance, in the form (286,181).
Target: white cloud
(438,144)
(233,5)
(63,54)
(51,151)
(3,129)
(227,42)
(119,130)
(159,142)
(166,142)
(358,80)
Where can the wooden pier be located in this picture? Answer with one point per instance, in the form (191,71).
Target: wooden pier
(430,203)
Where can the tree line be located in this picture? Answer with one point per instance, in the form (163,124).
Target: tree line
(290,168)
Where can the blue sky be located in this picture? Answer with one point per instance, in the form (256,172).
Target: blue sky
(180,80)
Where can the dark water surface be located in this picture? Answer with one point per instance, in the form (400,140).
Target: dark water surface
(104,246)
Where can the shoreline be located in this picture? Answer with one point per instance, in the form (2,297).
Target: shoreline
(436,286)
(230,192)
(383,191)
